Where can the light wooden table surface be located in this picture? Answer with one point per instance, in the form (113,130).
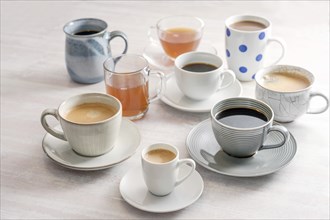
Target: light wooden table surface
(34,77)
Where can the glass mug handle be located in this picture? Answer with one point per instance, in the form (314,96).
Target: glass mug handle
(151,31)
(318,110)
(113,34)
(229,73)
(283,46)
(193,167)
(55,133)
(159,91)
(285,133)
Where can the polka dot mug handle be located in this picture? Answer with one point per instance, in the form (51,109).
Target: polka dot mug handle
(283,46)
(230,77)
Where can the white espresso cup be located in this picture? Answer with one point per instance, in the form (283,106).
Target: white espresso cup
(90,122)
(199,75)
(287,89)
(247,37)
(160,166)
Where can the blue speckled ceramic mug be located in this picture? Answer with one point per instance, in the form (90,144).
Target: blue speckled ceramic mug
(87,46)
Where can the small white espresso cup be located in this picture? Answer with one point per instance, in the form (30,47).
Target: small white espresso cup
(90,122)
(287,89)
(160,166)
(247,37)
(198,84)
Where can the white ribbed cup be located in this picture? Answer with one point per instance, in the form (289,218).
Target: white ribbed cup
(91,139)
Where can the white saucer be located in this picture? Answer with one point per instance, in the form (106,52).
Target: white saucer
(61,152)
(205,150)
(175,98)
(135,192)
(155,55)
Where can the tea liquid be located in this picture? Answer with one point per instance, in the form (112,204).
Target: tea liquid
(176,41)
(134,100)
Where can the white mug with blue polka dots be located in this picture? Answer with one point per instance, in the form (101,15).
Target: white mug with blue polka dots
(247,37)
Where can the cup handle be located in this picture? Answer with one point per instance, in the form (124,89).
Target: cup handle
(229,73)
(193,167)
(55,133)
(151,30)
(113,34)
(285,133)
(283,46)
(159,91)
(318,110)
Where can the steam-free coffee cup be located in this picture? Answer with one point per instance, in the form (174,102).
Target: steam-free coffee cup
(128,80)
(87,46)
(247,37)
(199,75)
(90,123)
(288,91)
(241,125)
(178,34)
(161,165)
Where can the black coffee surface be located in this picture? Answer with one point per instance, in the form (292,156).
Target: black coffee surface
(242,118)
(86,32)
(199,67)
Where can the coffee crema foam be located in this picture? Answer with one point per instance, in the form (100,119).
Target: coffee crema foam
(90,113)
(160,156)
(285,81)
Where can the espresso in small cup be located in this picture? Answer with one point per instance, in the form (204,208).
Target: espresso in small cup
(287,89)
(90,123)
(161,165)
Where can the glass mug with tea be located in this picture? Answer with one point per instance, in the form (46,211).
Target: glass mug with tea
(90,122)
(127,78)
(287,89)
(87,46)
(247,37)
(160,167)
(178,34)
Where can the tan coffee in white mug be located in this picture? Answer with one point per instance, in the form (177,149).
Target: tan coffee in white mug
(90,122)
(287,89)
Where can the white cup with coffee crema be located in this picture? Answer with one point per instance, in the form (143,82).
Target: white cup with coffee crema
(287,89)
(199,75)
(90,122)
(160,167)
(247,37)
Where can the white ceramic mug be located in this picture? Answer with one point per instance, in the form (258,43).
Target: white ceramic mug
(162,177)
(201,85)
(246,46)
(288,105)
(87,139)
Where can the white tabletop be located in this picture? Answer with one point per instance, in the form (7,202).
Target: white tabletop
(34,77)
